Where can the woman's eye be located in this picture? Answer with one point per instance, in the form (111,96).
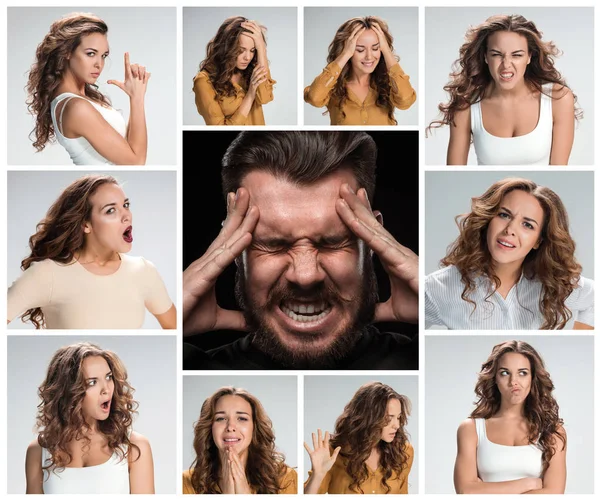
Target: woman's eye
(92,382)
(360,51)
(126,205)
(528,225)
(110,210)
(243,419)
(503,215)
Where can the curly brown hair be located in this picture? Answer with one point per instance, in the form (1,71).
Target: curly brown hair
(51,61)
(60,418)
(380,80)
(265,466)
(470,77)
(553,263)
(540,410)
(358,432)
(221,57)
(60,234)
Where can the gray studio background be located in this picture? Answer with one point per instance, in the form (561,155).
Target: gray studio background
(153,207)
(326,396)
(448,194)
(452,364)
(320,26)
(278,394)
(148,34)
(200,25)
(155,391)
(571,29)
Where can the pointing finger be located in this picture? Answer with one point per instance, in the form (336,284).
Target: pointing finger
(127,65)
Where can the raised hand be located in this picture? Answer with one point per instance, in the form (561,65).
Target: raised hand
(400,263)
(383,43)
(201,312)
(350,43)
(255,32)
(241,485)
(259,76)
(228,484)
(136,79)
(321,459)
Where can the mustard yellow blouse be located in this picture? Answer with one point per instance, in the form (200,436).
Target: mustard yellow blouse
(289,482)
(225,110)
(337,480)
(358,113)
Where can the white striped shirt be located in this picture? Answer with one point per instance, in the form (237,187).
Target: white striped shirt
(520,309)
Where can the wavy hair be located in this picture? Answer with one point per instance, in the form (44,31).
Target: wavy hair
(265,466)
(221,57)
(470,76)
(60,418)
(60,233)
(541,409)
(358,432)
(553,263)
(380,80)
(51,61)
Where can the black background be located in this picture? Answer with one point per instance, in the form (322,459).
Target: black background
(204,208)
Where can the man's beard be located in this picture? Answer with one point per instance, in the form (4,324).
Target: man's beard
(361,306)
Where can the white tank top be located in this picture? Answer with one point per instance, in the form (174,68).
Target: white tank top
(79,149)
(111,477)
(530,149)
(500,463)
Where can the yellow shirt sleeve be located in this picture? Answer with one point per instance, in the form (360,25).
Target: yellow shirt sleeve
(187,483)
(403,94)
(403,478)
(264,92)
(318,93)
(289,482)
(32,289)
(208,104)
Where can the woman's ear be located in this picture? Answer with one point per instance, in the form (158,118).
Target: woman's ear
(87,228)
(537,245)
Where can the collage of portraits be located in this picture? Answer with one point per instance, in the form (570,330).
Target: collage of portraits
(298,247)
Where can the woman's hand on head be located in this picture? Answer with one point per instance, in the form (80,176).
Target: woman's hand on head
(321,458)
(255,32)
(136,79)
(350,44)
(383,43)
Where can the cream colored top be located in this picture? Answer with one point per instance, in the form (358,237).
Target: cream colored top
(71,297)
(288,483)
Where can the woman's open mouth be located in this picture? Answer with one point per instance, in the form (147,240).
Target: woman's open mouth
(128,234)
(105,406)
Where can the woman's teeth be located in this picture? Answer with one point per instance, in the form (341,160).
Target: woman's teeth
(506,76)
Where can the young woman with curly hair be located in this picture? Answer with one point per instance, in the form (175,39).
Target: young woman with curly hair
(235,449)
(512,266)
(506,94)
(369,451)
(67,104)
(234,80)
(85,443)
(514,441)
(363,82)
(78,275)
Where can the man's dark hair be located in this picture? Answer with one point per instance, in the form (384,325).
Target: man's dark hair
(300,157)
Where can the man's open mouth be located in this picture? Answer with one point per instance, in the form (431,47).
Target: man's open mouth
(305,311)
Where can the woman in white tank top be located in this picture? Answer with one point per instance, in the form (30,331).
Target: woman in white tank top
(507,97)
(67,104)
(514,441)
(85,442)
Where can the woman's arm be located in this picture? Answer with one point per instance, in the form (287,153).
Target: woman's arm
(555,478)
(563,125)
(32,289)
(581,325)
(81,119)
(466,480)
(34,474)
(141,466)
(321,460)
(460,138)
(168,320)
(264,92)
(403,478)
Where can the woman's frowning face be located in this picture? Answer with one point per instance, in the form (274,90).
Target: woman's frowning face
(507,57)
(246,53)
(87,60)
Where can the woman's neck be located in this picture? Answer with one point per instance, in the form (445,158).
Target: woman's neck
(518,92)
(362,79)
(510,411)
(71,84)
(91,253)
(509,274)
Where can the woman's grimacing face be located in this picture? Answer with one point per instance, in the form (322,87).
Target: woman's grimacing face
(513,378)
(366,54)
(99,388)
(507,57)
(87,60)
(247,51)
(516,229)
(110,225)
(393,415)
(233,425)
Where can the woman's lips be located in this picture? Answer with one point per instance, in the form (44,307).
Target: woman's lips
(105,406)
(128,234)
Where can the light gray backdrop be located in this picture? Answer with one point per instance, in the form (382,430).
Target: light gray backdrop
(148,34)
(320,26)
(571,29)
(448,194)
(153,206)
(277,393)
(452,364)
(326,396)
(155,391)
(200,25)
